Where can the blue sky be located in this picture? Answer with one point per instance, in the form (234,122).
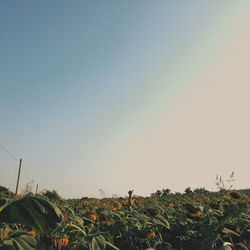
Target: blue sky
(82,82)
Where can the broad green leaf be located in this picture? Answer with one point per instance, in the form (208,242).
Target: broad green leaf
(230,232)
(162,246)
(20,242)
(227,248)
(32,211)
(162,221)
(111,245)
(241,246)
(75,227)
(98,243)
(77,219)
(3,202)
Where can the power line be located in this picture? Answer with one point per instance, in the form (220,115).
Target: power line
(15,158)
(26,174)
(9,153)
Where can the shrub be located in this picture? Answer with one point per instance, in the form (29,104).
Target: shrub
(52,195)
(3,189)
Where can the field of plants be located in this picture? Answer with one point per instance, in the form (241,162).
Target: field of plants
(194,220)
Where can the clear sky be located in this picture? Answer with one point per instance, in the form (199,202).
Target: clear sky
(119,95)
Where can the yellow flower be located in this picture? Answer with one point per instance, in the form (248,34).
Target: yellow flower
(6,231)
(116,205)
(171,205)
(227,244)
(235,195)
(131,202)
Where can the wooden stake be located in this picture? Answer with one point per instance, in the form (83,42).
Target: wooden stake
(36,188)
(130,205)
(19,171)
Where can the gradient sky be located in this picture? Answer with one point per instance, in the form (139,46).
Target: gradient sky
(119,95)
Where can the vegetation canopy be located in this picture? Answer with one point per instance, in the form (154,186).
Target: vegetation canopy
(196,219)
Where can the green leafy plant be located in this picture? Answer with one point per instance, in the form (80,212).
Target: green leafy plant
(20,241)
(32,211)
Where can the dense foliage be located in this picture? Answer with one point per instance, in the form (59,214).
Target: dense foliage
(199,220)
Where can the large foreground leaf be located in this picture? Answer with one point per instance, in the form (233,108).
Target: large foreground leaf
(32,211)
(19,241)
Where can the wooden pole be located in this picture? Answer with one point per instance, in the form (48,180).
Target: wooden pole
(19,171)
(130,205)
(36,188)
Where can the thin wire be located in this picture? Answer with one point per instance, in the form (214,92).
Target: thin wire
(26,174)
(9,153)
(15,158)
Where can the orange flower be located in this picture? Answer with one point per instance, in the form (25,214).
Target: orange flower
(237,230)
(32,233)
(151,234)
(65,241)
(158,213)
(108,222)
(197,214)
(91,217)
(59,242)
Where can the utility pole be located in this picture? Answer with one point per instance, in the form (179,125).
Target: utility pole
(36,188)
(19,170)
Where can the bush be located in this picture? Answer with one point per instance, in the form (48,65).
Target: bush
(188,190)
(201,191)
(52,195)
(3,189)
